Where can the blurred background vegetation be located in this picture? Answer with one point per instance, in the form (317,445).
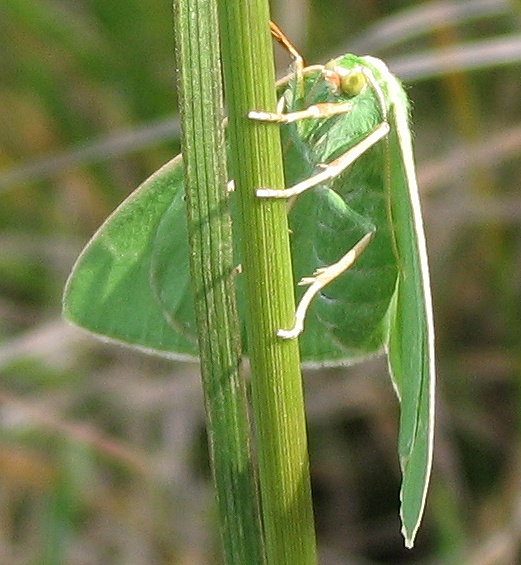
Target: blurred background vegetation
(103,450)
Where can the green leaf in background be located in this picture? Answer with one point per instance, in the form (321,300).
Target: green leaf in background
(131,283)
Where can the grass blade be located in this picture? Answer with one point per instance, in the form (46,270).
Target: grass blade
(277,396)
(212,278)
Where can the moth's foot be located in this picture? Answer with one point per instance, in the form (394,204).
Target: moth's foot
(314,277)
(270,193)
(293,333)
(266,116)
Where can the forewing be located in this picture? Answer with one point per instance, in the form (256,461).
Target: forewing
(131,283)
(411,339)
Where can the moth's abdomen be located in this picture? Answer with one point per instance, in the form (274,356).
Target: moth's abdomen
(352,309)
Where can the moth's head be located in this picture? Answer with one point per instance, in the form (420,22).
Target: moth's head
(342,80)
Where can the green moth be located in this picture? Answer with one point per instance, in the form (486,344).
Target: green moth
(357,242)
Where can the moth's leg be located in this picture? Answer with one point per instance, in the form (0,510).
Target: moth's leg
(283,39)
(320,278)
(323,110)
(330,170)
(300,69)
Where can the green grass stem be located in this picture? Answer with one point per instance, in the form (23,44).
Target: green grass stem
(212,268)
(276,384)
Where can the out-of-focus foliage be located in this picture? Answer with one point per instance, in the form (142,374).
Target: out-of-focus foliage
(103,451)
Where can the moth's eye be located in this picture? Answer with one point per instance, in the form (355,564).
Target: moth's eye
(353,83)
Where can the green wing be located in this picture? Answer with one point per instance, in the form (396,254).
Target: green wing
(131,283)
(411,334)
